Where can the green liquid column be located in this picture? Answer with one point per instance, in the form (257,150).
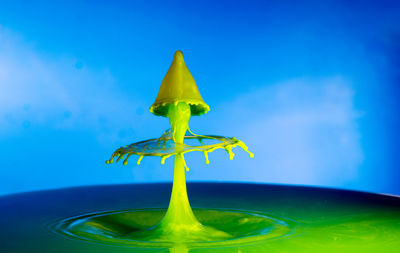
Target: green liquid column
(179,99)
(179,217)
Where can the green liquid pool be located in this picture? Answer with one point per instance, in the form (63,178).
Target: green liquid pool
(257,218)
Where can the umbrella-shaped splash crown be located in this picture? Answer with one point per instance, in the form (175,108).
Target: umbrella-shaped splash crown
(177,86)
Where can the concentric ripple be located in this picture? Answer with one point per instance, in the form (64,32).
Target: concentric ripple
(122,227)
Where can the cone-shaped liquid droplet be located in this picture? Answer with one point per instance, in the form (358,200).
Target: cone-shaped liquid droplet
(177,86)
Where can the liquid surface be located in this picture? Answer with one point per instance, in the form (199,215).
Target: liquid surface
(312,219)
(136,228)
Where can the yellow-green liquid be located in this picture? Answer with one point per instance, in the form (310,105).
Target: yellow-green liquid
(178,99)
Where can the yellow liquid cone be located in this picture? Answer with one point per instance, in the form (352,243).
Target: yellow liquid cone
(177,86)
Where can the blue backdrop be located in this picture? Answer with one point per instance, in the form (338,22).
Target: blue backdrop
(310,86)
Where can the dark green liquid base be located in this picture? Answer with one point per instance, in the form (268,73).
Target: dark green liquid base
(291,219)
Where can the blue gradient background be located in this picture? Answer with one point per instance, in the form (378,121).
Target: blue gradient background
(310,86)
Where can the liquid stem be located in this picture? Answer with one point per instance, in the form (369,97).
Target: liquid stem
(179,217)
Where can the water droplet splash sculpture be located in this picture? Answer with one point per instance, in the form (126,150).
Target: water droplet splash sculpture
(179,227)
(179,99)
